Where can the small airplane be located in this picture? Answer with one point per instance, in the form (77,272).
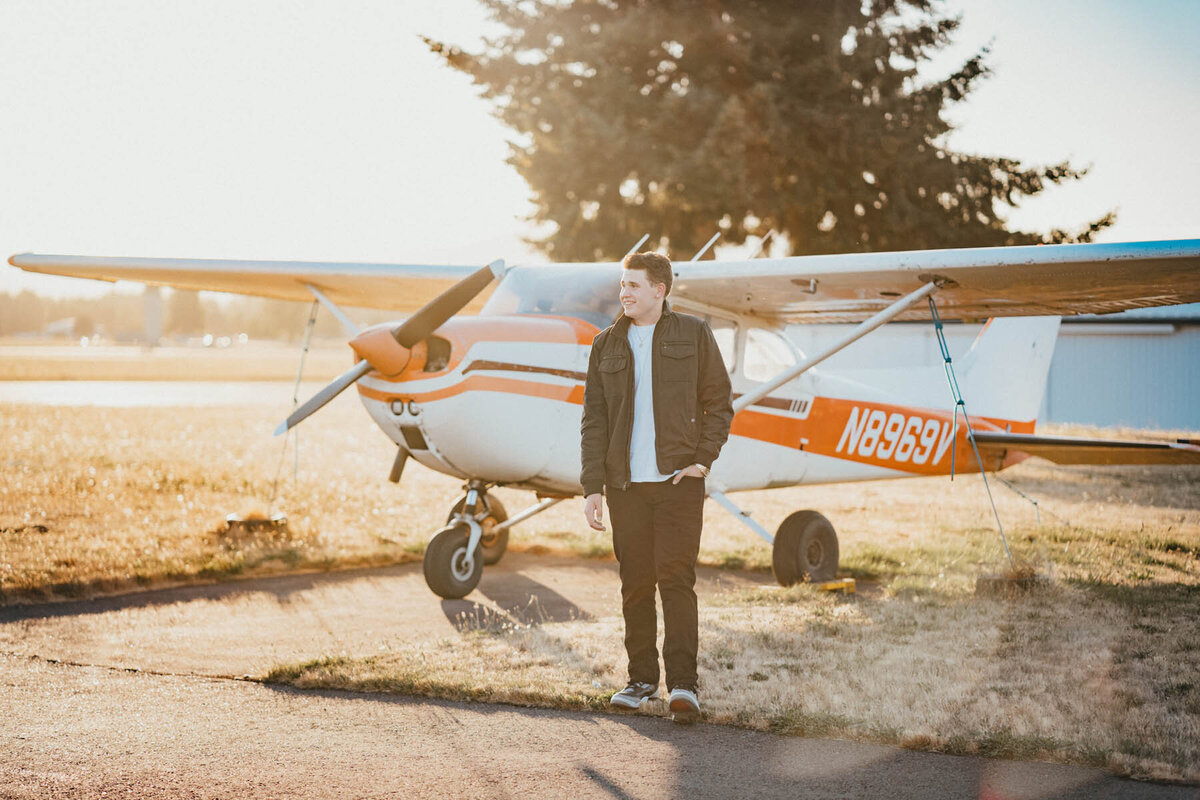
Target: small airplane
(495,398)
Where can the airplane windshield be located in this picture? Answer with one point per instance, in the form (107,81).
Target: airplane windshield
(585,291)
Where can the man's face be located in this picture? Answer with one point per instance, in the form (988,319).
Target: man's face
(640,298)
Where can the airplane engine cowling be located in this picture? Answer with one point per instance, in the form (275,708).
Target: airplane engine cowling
(502,403)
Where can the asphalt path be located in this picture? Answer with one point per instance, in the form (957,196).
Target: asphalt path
(144,695)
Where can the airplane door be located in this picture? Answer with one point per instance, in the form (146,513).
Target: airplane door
(767,438)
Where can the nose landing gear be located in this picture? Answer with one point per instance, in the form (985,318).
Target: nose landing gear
(476,534)
(489,513)
(452,567)
(454,556)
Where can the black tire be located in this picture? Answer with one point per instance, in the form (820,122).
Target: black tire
(444,570)
(493,544)
(806,548)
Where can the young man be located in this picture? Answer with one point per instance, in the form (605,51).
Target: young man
(656,411)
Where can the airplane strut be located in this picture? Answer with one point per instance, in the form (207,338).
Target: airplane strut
(859,331)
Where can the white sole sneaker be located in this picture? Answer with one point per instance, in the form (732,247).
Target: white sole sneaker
(684,707)
(626,700)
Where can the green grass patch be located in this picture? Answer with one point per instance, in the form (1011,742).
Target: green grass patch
(797,722)
(400,676)
(869,562)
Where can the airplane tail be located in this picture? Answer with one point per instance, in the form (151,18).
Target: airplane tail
(1005,371)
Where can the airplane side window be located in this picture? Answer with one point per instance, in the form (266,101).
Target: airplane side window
(767,354)
(437,354)
(725,332)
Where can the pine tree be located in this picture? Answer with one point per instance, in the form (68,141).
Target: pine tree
(673,118)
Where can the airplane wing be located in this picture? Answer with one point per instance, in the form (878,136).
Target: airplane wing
(979,282)
(1050,280)
(397,287)
(1076,450)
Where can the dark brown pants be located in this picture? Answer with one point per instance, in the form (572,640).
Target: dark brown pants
(656,536)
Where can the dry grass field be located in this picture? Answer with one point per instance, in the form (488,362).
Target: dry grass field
(1098,665)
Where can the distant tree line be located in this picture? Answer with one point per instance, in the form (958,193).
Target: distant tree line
(122,316)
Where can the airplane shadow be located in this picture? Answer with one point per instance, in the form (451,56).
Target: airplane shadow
(520,600)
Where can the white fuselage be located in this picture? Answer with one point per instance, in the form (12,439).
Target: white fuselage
(504,403)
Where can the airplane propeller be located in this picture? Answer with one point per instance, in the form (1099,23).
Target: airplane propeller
(407,334)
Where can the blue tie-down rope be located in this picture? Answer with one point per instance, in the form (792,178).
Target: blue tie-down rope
(959,403)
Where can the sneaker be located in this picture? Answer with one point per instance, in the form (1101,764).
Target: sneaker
(633,695)
(684,706)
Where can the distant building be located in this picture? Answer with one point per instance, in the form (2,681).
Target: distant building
(64,327)
(1139,369)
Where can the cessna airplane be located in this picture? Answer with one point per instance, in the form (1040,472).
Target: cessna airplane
(495,398)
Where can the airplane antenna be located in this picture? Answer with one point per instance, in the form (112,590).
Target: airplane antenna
(640,242)
(762,244)
(707,245)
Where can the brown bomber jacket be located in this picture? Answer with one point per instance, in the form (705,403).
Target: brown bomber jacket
(692,403)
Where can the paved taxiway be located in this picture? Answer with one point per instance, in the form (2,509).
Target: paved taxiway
(141,696)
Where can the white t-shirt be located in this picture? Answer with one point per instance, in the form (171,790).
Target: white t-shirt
(643,461)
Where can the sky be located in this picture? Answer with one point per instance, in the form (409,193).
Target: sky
(322,130)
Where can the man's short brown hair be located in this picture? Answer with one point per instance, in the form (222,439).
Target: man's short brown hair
(657,267)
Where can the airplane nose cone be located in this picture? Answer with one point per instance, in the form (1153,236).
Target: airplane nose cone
(379,348)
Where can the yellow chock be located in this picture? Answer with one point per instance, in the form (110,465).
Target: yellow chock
(846,585)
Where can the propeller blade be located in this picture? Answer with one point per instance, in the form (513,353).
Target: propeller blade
(413,330)
(322,397)
(446,305)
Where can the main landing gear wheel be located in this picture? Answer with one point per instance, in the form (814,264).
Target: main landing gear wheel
(493,544)
(448,570)
(806,548)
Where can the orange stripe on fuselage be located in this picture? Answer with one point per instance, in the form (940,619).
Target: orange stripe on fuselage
(904,438)
(484,383)
(910,439)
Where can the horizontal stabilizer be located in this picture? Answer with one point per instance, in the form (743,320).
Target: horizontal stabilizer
(1077,450)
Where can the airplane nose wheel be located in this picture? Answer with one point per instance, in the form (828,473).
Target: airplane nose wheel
(805,548)
(462,569)
(450,570)
(491,513)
